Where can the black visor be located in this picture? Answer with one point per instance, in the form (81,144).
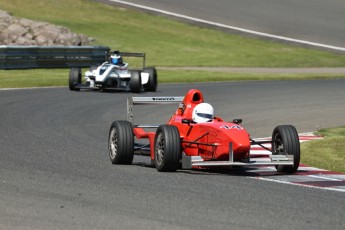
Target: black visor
(205,115)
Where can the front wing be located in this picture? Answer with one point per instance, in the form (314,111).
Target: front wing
(189,162)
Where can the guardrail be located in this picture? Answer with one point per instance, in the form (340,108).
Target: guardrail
(35,57)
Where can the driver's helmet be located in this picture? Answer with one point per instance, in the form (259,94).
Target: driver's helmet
(202,112)
(116,58)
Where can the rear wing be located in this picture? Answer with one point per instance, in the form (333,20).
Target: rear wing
(131,101)
(128,54)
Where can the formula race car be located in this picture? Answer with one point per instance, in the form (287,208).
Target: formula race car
(115,74)
(195,138)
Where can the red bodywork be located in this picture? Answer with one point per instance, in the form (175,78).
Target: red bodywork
(208,140)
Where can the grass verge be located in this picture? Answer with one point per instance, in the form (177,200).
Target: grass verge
(59,77)
(328,153)
(167,42)
(190,76)
(33,78)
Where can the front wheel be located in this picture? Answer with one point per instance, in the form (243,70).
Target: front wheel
(285,141)
(74,78)
(167,148)
(121,142)
(135,82)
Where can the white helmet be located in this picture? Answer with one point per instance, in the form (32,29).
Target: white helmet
(202,112)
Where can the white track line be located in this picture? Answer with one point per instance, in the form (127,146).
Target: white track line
(316,176)
(301,185)
(324,178)
(230,27)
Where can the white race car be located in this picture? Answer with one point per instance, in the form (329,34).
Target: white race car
(115,74)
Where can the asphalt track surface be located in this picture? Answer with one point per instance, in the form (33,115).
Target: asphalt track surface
(315,21)
(55,171)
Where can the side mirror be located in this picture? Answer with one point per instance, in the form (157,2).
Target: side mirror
(237,121)
(186,121)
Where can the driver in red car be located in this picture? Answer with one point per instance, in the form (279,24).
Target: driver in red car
(203,112)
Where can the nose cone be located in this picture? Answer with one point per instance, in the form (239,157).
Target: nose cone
(239,138)
(221,134)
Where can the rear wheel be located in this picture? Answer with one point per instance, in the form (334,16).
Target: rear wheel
(285,141)
(74,78)
(135,82)
(167,148)
(121,142)
(151,85)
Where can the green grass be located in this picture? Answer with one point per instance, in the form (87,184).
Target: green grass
(59,77)
(328,153)
(33,78)
(172,76)
(167,42)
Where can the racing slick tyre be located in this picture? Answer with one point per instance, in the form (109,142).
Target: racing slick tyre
(285,141)
(74,78)
(151,85)
(135,82)
(121,142)
(167,148)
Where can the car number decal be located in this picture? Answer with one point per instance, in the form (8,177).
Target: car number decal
(231,127)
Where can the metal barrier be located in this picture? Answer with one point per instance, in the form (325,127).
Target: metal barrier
(35,57)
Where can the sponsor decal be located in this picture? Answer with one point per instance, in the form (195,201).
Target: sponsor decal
(163,99)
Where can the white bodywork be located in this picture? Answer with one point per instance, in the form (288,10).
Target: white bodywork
(107,70)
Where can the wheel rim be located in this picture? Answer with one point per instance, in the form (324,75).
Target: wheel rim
(278,145)
(113,144)
(160,148)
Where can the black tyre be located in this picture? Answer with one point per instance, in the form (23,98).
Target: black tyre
(167,148)
(151,85)
(74,78)
(285,141)
(135,82)
(121,142)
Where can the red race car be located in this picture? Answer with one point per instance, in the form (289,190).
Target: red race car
(196,138)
